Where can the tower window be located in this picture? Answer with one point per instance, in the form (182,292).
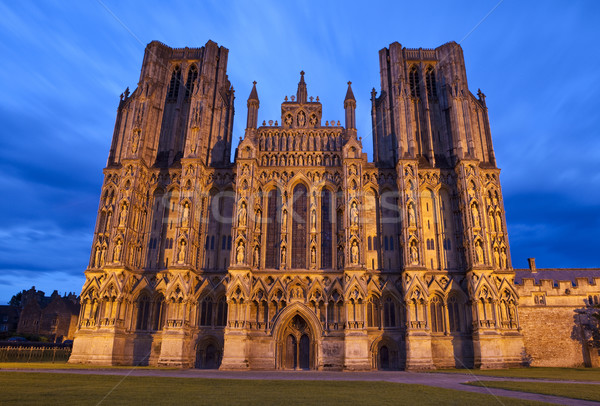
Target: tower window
(192,76)
(413,77)
(430,81)
(173,91)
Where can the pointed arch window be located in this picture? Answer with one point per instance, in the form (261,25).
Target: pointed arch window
(437,320)
(389,313)
(191,79)
(173,91)
(413,78)
(206,312)
(299,227)
(326,230)
(273,209)
(430,82)
(454,314)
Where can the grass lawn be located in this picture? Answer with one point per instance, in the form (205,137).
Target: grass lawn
(559,374)
(26,388)
(569,390)
(64,365)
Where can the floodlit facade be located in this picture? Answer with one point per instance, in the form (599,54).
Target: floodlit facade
(301,254)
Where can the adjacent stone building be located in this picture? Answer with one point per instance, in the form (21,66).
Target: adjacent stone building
(302,254)
(53,316)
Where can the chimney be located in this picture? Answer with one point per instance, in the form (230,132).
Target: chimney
(532,264)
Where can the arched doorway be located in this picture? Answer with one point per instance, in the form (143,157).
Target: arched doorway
(384,358)
(297,346)
(208,354)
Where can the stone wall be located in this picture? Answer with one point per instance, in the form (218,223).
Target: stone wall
(553,315)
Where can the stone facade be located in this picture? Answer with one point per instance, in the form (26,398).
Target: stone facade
(301,254)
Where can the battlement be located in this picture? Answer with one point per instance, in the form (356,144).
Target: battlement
(429,54)
(168,52)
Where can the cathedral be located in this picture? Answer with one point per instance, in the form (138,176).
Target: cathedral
(301,254)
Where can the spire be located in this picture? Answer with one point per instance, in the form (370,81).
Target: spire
(349,107)
(253,93)
(253,104)
(301,93)
(349,93)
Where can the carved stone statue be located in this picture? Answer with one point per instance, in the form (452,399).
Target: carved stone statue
(313,221)
(185,217)
(284,220)
(181,254)
(354,252)
(283,257)
(411,214)
(414,253)
(102,256)
(301,119)
(135,142)
(257,221)
(313,255)
(503,259)
(340,258)
(117,251)
(242,215)
(239,253)
(97,258)
(496,257)
(354,215)
(475,214)
(478,253)
(123,216)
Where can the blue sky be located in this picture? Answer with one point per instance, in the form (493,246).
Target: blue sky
(64,65)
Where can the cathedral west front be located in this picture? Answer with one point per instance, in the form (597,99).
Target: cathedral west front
(301,254)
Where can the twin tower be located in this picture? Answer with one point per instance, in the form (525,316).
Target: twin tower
(300,254)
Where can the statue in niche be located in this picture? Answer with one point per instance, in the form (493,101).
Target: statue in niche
(475,214)
(414,253)
(301,119)
(503,259)
(97,258)
(242,215)
(496,257)
(283,257)
(354,215)
(284,220)
(354,252)
(239,253)
(185,217)
(257,221)
(256,259)
(313,220)
(181,254)
(340,257)
(492,222)
(313,255)
(135,142)
(498,222)
(102,256)
(411,215)
(478,252)
(123,215)
(117,251)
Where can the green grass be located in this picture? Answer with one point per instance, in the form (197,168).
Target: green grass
(26,388)
(568,390)
(64,365)
(558,374)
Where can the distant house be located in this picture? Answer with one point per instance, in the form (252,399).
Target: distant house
(54,316)
(9,318)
